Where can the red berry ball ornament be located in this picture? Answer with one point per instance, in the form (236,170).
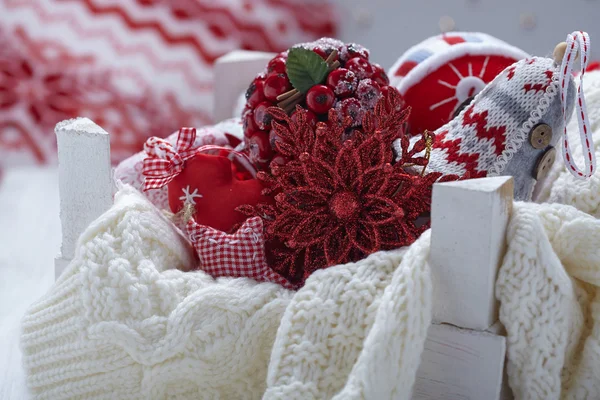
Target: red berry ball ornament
(319,99)
(317,77)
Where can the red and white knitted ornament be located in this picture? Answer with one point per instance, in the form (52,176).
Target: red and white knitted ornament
(512,126)
(439,75)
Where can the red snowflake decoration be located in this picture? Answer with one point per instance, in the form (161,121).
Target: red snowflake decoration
(342,196)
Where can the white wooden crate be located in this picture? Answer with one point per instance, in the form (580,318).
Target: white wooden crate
(465,350)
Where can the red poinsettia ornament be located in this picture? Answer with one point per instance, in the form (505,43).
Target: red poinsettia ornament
(340,196)
(211,183)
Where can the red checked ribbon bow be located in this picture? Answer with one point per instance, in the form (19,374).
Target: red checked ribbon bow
(164,162)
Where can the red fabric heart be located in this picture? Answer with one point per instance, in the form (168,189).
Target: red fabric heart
(211,184)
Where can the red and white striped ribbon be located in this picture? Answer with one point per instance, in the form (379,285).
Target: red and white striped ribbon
(577,41)
(165,162)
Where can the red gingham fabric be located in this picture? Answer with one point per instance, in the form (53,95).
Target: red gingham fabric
(164,162)
(239,255)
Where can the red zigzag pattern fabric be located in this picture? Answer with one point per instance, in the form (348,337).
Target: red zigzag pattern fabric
(138,68)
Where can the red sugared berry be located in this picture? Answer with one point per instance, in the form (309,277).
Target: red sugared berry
(352,108)
(262,117)
(248,122)
(368,93)
(273,138)
(319,99)
(310,116)
(260,150)
(276,85)
(342,81)
(276,66)
(379,75)
(325,52)
(254,94)
(279,160)
(353,50)
(361,67)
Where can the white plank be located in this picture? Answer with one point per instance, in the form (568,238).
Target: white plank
(233,74)
(85,180)
(459,364)
(468,229)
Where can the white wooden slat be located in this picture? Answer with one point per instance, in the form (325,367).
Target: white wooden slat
(84,178)
(468,229)
(460,364)
(233,74)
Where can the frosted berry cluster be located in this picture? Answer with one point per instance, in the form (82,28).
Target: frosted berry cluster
(351,88)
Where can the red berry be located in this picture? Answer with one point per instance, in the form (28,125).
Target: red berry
(319,99)
(279,160)
(249,124)
(254,94)
(273,138)
(361,67)
(310,116)
(352,108)
(259,148)
(325,52)
(262,117)
(368,93)
(353,50)
(276,85)
(385,90)
(379,75)
(276,66)
(342,81)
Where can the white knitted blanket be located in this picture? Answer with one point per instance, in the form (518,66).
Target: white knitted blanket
(125,322)
(549,283)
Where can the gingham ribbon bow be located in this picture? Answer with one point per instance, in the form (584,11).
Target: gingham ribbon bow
(165,162)
(577,41)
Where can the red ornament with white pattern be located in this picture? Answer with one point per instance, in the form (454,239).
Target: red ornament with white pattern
(441,75)
(317,76)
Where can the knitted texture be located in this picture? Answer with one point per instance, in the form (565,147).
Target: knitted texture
(125,322)
(491,136)
(355,331)
(549,292)
(119,325)
(561,186)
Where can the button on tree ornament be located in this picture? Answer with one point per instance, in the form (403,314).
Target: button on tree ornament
(318,76)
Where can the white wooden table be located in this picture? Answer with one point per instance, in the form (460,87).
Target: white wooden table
(30,237)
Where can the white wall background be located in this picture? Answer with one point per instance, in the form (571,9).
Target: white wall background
(389,27)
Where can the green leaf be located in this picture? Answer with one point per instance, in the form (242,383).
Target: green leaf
(305,68)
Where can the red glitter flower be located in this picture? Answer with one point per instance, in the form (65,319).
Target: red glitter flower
(342,197)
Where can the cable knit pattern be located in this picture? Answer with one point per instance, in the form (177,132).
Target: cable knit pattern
(125,322)
(549,292)
(355,331)
(560,186)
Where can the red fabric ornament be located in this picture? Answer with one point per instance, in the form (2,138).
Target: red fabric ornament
(209,182)
(239,255)
(341,197)
(451,69)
